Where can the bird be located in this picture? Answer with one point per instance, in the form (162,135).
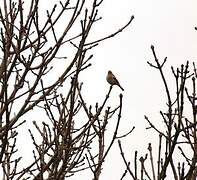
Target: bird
(111,79)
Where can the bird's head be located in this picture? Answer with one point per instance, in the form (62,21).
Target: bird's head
(109,72)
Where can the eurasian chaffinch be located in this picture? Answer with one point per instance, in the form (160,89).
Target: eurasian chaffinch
(111,79)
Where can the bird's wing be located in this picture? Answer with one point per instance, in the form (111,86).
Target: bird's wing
(115,79)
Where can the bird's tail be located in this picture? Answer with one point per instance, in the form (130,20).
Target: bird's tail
(121,87)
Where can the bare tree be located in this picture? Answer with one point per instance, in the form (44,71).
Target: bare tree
(30,51)
(178,139)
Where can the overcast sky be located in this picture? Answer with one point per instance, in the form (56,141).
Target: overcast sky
(169,26)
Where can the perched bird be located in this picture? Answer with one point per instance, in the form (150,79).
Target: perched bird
(111,79)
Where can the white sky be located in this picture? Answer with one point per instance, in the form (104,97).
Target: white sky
(169,26)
